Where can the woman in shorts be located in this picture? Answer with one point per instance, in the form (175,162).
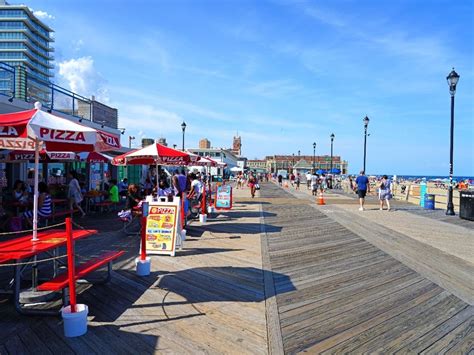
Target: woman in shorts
(385,192)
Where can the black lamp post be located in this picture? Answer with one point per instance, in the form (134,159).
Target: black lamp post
(366,123)
(314,157)
(183,126)
(452,79)
(293,159)
(299,154)
(332,141)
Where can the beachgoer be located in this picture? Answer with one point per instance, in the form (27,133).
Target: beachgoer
(123,187)
(385,192)
(280,180)
(44,204)
(308,180)
(297,181)
(252,183)
(133,197)
(113,191)
(20,193)
(363,187)
(314,184)
(322,183)
(74,193)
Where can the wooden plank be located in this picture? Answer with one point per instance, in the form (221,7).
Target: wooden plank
(274,337)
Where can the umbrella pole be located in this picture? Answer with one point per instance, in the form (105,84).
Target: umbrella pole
(36,192)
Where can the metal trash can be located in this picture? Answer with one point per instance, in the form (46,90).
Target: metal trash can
(429,202)
(466,204)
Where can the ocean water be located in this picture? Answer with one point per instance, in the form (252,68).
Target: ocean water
(433,177)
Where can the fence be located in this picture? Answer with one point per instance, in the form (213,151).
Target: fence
(17,82)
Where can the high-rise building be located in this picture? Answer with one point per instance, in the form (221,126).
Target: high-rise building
(237,145)
(25,42)
(204,143)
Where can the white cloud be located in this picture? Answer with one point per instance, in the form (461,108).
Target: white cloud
(275,88)
(43,15)
(81,77)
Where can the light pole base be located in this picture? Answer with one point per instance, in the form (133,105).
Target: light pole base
(450,211)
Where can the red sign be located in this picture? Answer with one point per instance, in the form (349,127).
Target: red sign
(110,140)
(16,143)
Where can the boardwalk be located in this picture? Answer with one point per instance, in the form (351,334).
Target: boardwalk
(277,274)
(350,295)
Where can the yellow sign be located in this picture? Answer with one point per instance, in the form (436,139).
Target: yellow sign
(161,229)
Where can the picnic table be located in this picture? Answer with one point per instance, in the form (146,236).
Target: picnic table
(19,251)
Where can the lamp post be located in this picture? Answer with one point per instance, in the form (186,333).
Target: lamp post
(130,139)
(366,123)
(314,157)
(299,153)
(174,146)
(452,79)
(183,127)
(332,141)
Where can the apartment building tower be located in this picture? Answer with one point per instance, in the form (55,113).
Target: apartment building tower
(25,46)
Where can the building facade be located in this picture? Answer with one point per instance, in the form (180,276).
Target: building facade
(25,42)
(257,164)
(204,143)
(221,155)
(287,162)
(147,141)
(237,145)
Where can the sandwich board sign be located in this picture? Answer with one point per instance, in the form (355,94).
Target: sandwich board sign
(163,227)
(223,197)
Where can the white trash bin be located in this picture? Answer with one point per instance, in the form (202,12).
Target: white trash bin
(202,218)
(75,324)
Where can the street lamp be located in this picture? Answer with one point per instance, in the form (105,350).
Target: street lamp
(130,139)
(183,127)
(332,140)
(299,154)
(452,79)
(174,146)
(366,123)
(314,157)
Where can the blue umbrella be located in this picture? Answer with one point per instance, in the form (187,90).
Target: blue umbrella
(335,171)
(321,171)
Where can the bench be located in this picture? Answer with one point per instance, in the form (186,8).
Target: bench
(61,281)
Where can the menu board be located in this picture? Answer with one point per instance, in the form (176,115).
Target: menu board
(161,228)
(223,197)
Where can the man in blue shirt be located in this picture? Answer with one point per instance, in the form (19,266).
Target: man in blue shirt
(362,188)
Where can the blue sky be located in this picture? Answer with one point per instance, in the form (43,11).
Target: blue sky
(283,74)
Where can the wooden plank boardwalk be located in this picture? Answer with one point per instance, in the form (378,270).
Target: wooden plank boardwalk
(274,275)
(352,297)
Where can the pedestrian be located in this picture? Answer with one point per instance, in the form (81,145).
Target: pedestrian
(297,181)
(123,187)
(314,184)
(323,183)
(292,179)
(308,180)
(74,192)
(385,192)
(280,180)
(252,182)
(363,187)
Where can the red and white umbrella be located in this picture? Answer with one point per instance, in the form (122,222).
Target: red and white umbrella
(95,157)
(44,156)
(33,129)
(154,154)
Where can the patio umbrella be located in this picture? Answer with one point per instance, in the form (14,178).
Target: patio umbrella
(44,156)
(335,171)
(154,154)
(321,171)
(95,157)
(34,129)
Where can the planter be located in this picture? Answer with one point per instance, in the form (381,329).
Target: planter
(75,324)
(143,266)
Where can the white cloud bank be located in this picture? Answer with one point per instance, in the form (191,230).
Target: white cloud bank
(42,15)
(81,77)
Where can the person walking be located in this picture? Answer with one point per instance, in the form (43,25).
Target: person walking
(314,184)
(297,181)
(385,192)
(252,183)
(363,187)
(74,193)
(308,180)
(280,179)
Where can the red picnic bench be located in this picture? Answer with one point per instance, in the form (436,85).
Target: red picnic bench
(61,282)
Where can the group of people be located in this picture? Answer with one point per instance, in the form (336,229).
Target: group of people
(362,187)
